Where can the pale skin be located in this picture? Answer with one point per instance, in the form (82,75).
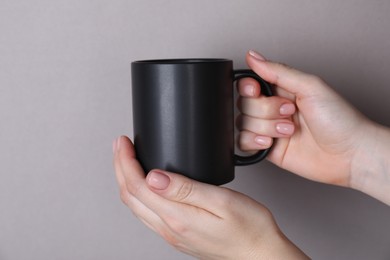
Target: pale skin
(319,136)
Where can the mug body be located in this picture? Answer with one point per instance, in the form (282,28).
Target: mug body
(183,117)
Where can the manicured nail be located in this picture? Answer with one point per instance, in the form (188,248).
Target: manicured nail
(256,55)
(287,109)
(158,180)
(263,140)
(285,128)
(249,90)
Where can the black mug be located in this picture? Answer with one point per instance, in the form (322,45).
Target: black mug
(183,117)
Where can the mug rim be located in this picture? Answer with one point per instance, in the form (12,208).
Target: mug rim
(182,61)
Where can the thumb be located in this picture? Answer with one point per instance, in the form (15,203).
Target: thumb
(294,81)
(176,187)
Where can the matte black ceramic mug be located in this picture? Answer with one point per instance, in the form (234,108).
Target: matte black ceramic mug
(183,117)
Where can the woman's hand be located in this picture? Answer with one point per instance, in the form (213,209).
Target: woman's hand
(320,136)
(318,132)
(202,220)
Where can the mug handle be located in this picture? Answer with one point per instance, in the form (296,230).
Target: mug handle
(265,90)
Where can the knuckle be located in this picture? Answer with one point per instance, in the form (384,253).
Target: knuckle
(242,145)
(134,188)
(315,80)
(267,108)
(185,191)
(124,195)
(243,141)
(259,126)
(227,198)
(177,226)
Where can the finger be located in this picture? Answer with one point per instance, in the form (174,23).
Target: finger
(248,87)
(249,141)
(169,227)
(164,217)
(176,187)
(147,216)
(169,211)
(294,81)
(277,128)
(133,176)
(144,214)
(131,180)
(266,107)
(124,193)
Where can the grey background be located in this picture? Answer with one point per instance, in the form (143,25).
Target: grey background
(65,95)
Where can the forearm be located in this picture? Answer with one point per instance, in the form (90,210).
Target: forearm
(370,169)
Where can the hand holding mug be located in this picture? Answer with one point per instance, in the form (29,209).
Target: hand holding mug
(202,220)
(325,140)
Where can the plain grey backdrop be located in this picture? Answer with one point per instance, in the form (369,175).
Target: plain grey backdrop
(65,94)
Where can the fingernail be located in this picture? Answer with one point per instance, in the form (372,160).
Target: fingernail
(256,55)
(249,90)
(158,180)
(263,140)
(285,128)
(287,109)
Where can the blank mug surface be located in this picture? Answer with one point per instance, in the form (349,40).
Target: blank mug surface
(183,117)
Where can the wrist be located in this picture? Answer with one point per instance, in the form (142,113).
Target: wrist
(278,246)
(370,167)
